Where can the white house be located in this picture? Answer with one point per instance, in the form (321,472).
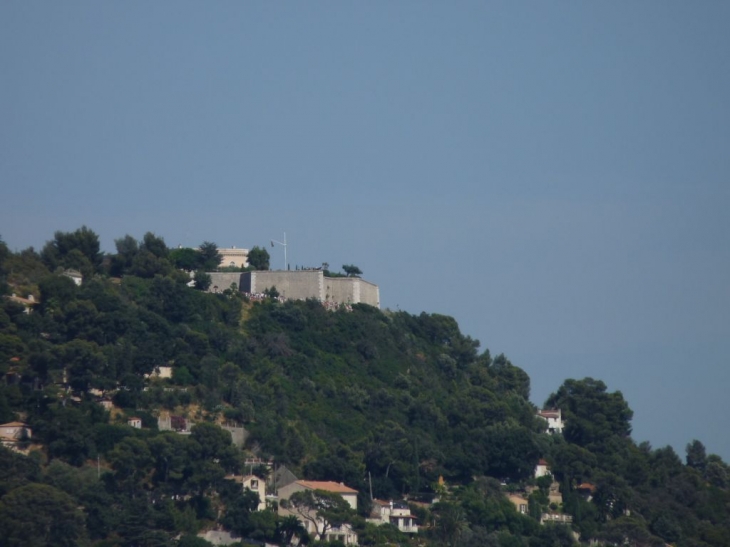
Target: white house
(310,521)
(258,485)
(554,419)
(541,469)
(75,276)
(13,433)
(27,303)
(135,422)
(396,513)
(254,484)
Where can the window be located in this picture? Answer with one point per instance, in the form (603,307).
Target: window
(254,484)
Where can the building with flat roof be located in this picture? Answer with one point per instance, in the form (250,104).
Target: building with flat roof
(233,257)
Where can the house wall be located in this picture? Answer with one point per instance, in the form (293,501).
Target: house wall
(541,470)
(234,257)
(16,430)
(258,485)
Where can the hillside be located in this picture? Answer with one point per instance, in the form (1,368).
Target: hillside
(401,404)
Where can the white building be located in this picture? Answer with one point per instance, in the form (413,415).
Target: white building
(258,485)
(554,419)
(75,276)
(254,484)
(396,513)
(12,433)
(233,257)
(541,469)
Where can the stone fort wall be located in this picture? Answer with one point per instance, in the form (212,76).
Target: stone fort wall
(220,281)
(300,285)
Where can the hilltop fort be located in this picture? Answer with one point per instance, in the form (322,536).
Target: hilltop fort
(293,284)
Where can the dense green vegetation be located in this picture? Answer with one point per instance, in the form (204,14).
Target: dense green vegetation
(392,400)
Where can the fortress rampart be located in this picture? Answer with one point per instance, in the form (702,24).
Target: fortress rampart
(300,285)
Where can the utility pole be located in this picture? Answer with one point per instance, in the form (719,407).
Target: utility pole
(283,244)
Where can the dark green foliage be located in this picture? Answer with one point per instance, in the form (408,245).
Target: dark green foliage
(38,515)
(323,510)
(202,280)
(56,291)
(351,270)
(79,250)
(258,258)
(391,400)
(185,258)
(592,415)
(210,257)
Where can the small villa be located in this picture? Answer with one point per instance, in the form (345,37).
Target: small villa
(314,524)
(554,419)
(13,433)
(542,469)
(396,513)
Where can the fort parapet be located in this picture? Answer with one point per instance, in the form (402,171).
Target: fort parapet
(300,285)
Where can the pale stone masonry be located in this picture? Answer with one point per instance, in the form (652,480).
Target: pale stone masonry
(300,285)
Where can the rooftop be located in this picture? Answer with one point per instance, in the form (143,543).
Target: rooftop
(328,486)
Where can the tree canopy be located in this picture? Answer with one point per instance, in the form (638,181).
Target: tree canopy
(351,270)
(258,258)
(398,404)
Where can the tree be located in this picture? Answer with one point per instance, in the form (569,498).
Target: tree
(127,249)
(271,292)
(155,245)
(258,258)
(56,291)
(289,527)
(185,258)
(451,523)
(37,515)
(351,271)
(84,240)
(4,253)
(202,280)
(237,517)
(147,264)
(696,455)
(592,415)
(211,258)
(325,510)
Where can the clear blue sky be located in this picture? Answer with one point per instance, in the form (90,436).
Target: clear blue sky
(553,175)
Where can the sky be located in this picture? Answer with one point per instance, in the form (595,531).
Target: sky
(554,175)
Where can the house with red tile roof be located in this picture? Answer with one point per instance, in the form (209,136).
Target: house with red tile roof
(554,418)
(311,522)
(542,468)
